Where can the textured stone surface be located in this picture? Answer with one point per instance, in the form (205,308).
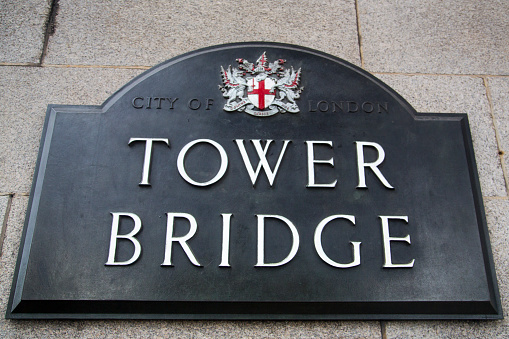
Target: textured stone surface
(498,219)
(231,329)
(148,32)
(458,94)
(433,36)
(22,26)
(499,88)
(3,206)
(26,92)
(153,329)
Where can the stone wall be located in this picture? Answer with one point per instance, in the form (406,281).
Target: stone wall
(442,56)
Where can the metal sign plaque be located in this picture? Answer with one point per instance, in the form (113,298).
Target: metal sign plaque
(255,181)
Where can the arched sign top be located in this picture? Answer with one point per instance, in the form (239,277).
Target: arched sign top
(208,67)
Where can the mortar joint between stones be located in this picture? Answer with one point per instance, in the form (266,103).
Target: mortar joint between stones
(4,222)
(50,29)
(497,133)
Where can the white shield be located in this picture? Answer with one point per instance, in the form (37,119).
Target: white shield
(261,93)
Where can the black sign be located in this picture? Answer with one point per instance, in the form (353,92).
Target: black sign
(255,181)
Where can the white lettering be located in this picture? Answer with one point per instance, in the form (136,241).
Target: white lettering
(114,236)
(318,243)
(193,226)
(373,165)
(262,155)
(225,248)
(220,173)
(387,241)
(312,161)
(148,156)
(261,241)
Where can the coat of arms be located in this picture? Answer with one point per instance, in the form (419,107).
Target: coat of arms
(261,89)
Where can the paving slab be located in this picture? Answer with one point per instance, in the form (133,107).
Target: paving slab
(434,36)
(458,94)
(26,92)
(153,329)
(147,32)
(499,88)
(497,214)
(22,27)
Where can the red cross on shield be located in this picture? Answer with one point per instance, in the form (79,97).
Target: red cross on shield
(261,93)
